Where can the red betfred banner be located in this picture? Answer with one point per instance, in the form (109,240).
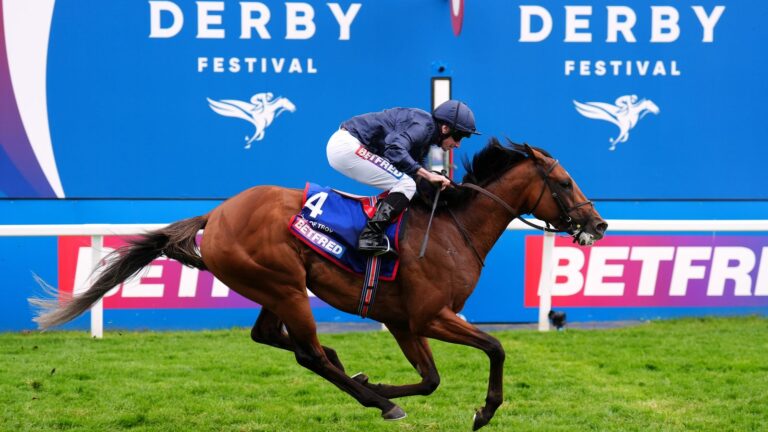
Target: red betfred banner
(164,284)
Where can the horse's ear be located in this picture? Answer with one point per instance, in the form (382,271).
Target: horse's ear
(529,151)
(511,145)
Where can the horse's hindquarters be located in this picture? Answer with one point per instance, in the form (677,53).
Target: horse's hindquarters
(247,246)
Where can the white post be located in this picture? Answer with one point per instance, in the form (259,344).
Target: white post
(97,310)
(546,280)
(441,92)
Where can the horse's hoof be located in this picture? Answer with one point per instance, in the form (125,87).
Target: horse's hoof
(360,377)
(396,413)
(479,420)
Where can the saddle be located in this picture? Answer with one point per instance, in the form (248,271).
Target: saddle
(330,223)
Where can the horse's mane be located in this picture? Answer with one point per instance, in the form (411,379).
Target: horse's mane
(486,166)
(494,160)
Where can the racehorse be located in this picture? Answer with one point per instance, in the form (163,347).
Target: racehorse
(246,245)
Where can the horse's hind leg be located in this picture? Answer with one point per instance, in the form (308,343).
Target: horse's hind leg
(268,330)
(297,316)
(417,351)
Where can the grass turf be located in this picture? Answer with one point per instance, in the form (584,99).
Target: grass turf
(693,374)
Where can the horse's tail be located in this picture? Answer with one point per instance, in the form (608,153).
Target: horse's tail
(176,241)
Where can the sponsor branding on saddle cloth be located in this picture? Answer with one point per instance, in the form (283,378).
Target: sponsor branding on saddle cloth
(330,223)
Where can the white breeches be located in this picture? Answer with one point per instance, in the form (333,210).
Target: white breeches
(348,156)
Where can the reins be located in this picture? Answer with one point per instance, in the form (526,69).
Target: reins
(462,230)
(467,239)
(429,224)
(499,201)
(488,194)
(507,206)
(564,210)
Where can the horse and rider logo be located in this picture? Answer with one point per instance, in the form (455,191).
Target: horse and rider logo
(625,114)
(261,111)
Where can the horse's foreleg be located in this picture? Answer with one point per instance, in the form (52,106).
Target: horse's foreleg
(297,316)
(417,351)
(268,330)
(448,327)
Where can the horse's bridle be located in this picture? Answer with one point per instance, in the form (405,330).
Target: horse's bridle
(565,212)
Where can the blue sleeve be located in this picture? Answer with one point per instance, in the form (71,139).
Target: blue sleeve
(399,144)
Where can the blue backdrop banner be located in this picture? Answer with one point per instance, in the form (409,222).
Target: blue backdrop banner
(156,110)
(180,98)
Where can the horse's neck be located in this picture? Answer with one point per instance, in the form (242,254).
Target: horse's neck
(486,219)
(638,109)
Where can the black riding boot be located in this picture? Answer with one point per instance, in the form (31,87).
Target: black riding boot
(373,238)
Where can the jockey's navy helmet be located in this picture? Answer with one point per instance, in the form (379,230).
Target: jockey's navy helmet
(457,115)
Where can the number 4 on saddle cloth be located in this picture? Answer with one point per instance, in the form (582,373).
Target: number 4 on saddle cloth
(330,223)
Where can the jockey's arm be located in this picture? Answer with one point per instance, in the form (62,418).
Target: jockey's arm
(434,178)
(398,144)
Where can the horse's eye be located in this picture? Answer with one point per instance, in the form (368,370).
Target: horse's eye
(566,184)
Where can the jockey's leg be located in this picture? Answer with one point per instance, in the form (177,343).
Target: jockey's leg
(348,156)
(373,238)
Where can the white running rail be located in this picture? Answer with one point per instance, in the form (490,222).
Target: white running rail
(98,231)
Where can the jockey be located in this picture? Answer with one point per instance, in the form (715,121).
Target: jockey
(385,150)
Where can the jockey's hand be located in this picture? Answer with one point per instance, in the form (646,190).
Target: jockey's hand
(434,178)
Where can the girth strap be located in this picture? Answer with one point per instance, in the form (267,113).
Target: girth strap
(370,284)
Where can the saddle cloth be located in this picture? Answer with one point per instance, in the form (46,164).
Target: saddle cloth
(330,223)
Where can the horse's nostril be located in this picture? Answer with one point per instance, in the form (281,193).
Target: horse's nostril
(601,227)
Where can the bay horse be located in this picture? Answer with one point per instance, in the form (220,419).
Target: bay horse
(246,244)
